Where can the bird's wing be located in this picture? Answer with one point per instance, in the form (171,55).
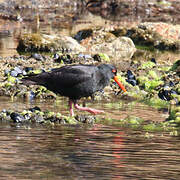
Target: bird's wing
(68,76)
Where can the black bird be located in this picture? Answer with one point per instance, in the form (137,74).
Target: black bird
(76,81)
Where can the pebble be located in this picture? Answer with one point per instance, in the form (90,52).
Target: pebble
(36,108)
(17,118)
(14,73)
(131,79)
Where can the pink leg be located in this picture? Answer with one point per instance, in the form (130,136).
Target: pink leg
(71,108)
(90,110)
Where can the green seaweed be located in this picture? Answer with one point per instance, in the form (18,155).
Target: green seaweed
(148,65)
(104,57)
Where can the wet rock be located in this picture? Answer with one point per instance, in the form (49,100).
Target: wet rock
(67,59)
(6,72)
(17,118)
(133,82)
(36,108)
(159,35)
(130,75)
(84,57)
(176,67)
(18,70)
(85,119)
(131,79)
(14,73)
(30,95)
(37,57)
(48,43)
(97,57)
(27,116)
(56,57)
(164,95)
(153,60)
(83,34)
(28,69)
(37,118)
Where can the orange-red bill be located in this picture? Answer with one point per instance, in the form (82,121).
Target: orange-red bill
(119,83)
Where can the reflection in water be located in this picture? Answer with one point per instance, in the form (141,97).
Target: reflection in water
(97,152)
(84,152)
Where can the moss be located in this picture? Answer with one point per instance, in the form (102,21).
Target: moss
(147,48)
(70,120)
(49,114)
(177,120)
(150,85)
(11,79)
(148,65)
(156,102)
(37,71)
(150,127)
(158,127)
(153,74)
(104,57)
(109,37)
(30,42)
(142,80)
(8,84)
(174,116)
(175,65)
(133,120)
(33,38)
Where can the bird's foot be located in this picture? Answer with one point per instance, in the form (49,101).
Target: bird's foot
(95,111)
(71,108)
(90,110)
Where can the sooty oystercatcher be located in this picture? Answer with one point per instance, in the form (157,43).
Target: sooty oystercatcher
(76,81)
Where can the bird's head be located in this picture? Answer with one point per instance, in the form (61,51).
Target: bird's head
(111,72)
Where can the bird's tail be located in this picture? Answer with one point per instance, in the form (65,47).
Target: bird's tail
(32,80)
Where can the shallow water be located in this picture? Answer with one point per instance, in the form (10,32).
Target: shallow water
(86,152)
(114,109)
(89,152)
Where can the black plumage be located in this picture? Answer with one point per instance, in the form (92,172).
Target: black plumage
(76,81)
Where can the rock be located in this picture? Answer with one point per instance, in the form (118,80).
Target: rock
(83,34)
(37,57)
(164,95)
(97,57)
(17,118)
(85,119)
(48,43)
(14,73)
(119,48)
(176,67)
(36,108)
(162,36)
(6,72)
(18,70)
(56,57)
(28,69)
(153,60)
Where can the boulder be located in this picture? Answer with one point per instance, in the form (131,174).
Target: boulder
(48,43)
(118,48)
(163,36)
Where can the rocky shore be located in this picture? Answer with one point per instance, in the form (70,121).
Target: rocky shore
(148,81)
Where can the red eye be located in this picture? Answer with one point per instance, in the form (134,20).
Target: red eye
(114,70)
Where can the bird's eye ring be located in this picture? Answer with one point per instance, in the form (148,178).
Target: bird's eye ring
(114,70)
